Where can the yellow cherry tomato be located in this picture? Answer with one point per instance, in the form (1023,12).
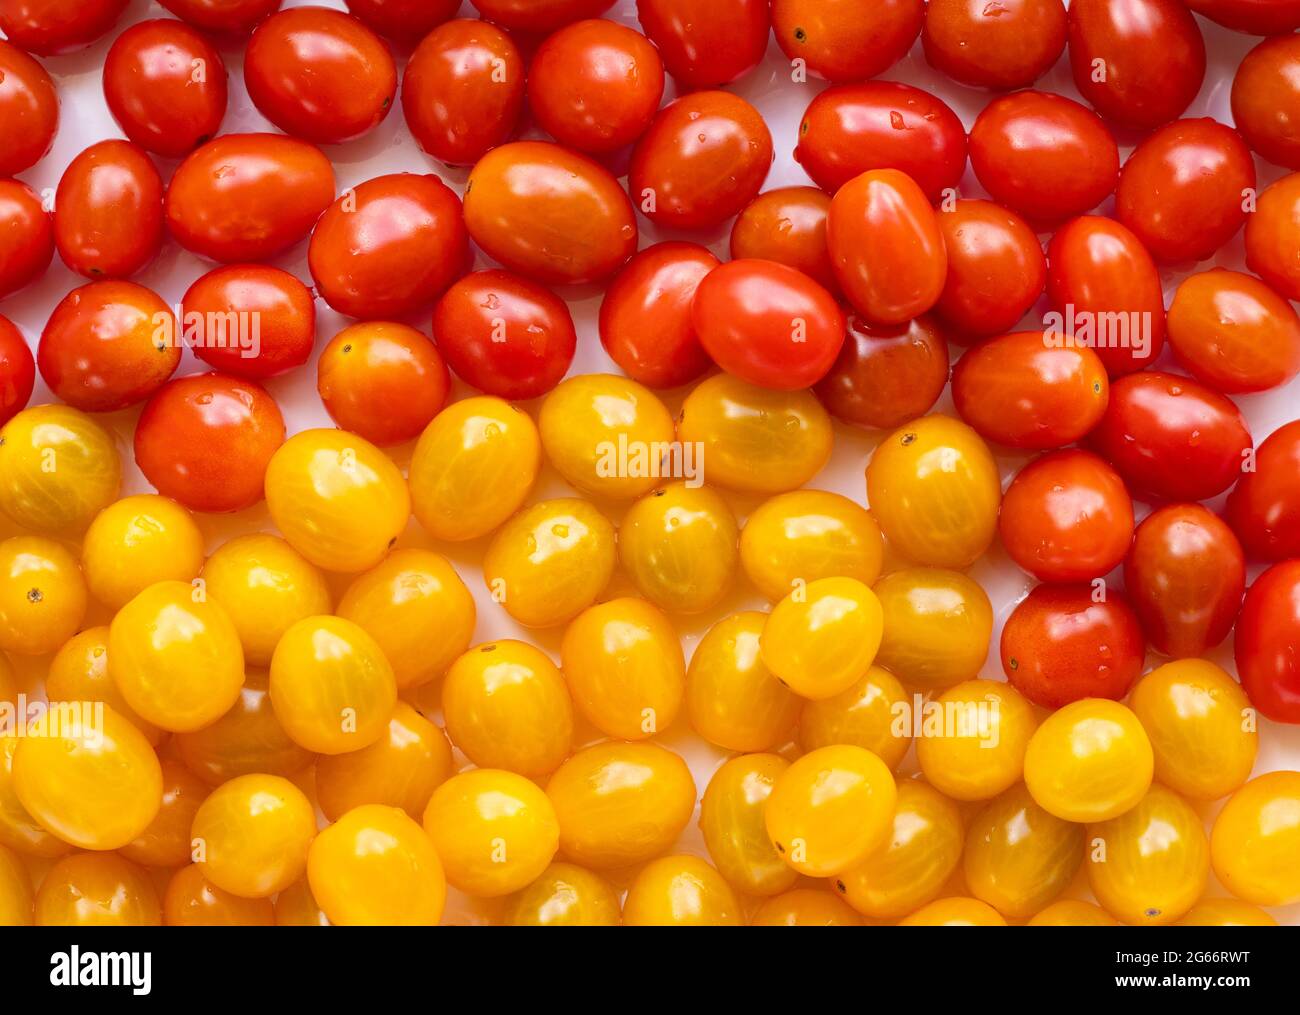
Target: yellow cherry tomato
(934,488)
(620,804)
(136,542)
(1226,913)
(1019,857)
(1073,913)
(16,898)
(19,831)
(865,715)
(42,595)
(331,687)
(624,667)
(731,696)
(473,468)
(415,606)
(97,890)
(1149,865)
(1201,725)
(374,867)
(955,912)
(166,842)
(91,778)
(506,706)
(830,809)
(265,586)
(251,835)
(805,535)
(607,435)
(401,769)
(937,626)
(191,900)
(550,562)
(494,831)
(1089,761)
(1256,840)
(680,891)
(912,865)
(58,469)
(805,907)
(820,640)
(297,907)
(79,672)
(678,545)
(338,499)
(567,896)
(971,740)
(735,833)
(9,689)
(753,439)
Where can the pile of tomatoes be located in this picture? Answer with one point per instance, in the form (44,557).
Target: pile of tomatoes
(296,723)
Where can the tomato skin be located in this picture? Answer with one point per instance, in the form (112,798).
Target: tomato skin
(706,45)
(1043,155)
(389,247)
(886,374)
(1265,97)
(902,272)
(1273,237)
(1152,53)
(1171,438)
(406,20)
(1185,575)
(1021,391)
(505,335)
(54,27)
(847,40)
(1264,507)
(1098,269)
(996,268)
(1181,191)
(1060,645)
(849,129)
(645,317)
(768,324)
(108,211)
(248,197)
(1255,17)
(787,225)
(702,159)
(549,214)
(29,110)
(205,441)
(26,237)
(17,371)
(1268,629)
(539,15)
(1004,47)
(223,17)
(285,314)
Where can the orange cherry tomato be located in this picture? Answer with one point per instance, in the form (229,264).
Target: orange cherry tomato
(847,40)
(223,17)
(54,27)
(540,15)
(17,371)
(996,268)
(407,20)
(1273,237)
(108,218)
(29,110)
(250,320)
(887,375)
(191,900)
(706,44)
(1003,46)
(788,226)
(28,230)
(1264,507)
(1265,98)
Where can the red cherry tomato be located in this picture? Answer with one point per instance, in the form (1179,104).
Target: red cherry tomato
(1268,631)
(248,197)
(1005,45)
(703,158)
(250,320)
(108,211)
(1273,237)
(382,381)
(768,324)
(165,85)
(706,44)
(320,74)
(900,273)
(1258,17)
(1025,390)
(645,317)
(1264,507)
(850,129)
(29,111)
(1106,292)
(886,375)
(205,441)
(505,335)
(1043,155)
(463,91)
(847,40)
(1172,438)
(108,345)
(1183,190)
(26,236)
(407,20)
(1185,575)
(1266,100)
(788,226)
(17,371)
(595,85)
(540,15)
(550,214)
(52,27)
(224,17)
(996,268)
(1067,642)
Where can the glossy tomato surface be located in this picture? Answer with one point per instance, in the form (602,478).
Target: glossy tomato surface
(787,225)
(1266,99)
(1258,17)
(28,232)
(223,17)
(888,374)
(1273,237)
(706,45)
(539,15)
(52,27)
(847,40)
(251,320)
(29,110)
(17,370)
(407,20)
(1002,46)
(1267,631)
(1264,507)
(108,211)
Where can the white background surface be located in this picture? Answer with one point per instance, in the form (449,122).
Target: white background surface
(390,148)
